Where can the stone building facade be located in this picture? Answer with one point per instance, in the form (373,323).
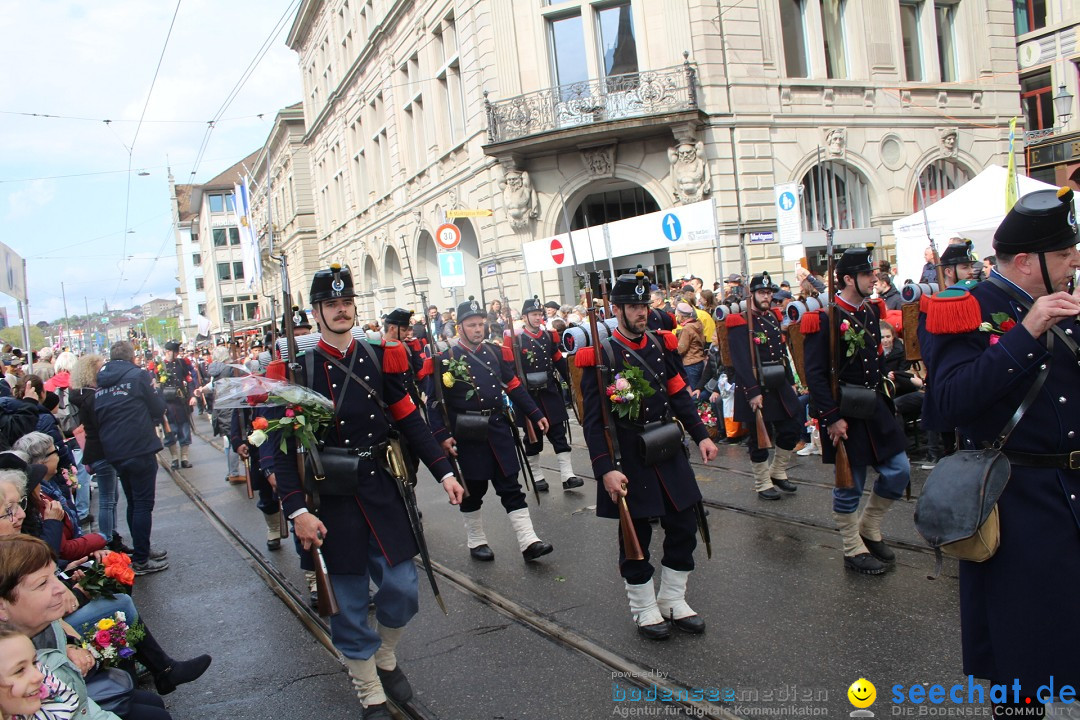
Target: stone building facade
(574,112)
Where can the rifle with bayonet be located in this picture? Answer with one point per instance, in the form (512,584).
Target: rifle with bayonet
(631,544)
(844,477)
(405,480)
(327,599)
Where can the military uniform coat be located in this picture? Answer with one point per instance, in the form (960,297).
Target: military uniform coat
(869,441)
(540,353)
(177,389)
(778,404)
(647,486)
(480,459)
(1018,608)
(377,509)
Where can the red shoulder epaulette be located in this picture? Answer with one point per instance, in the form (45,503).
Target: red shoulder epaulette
(810,322)
(555,336)
(585,357)
(735,320)
(276,370)
(953,312)
(508,353)
(394,358)
(426,369)
(415,345)
(881,309)
(779,314)
(671,342)
(924,303)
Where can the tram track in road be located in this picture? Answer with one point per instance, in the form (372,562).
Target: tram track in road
(627,669)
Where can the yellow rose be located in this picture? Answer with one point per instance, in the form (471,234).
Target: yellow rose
(105,624)
(448,380)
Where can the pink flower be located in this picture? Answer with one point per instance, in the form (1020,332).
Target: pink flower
(844,326)
(610,390)
(757,341)
(622,384)
(290,413)
(994,339)
(103,638)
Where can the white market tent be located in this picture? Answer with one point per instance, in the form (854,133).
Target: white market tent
(974,210)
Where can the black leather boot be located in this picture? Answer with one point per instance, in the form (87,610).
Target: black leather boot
(168,673)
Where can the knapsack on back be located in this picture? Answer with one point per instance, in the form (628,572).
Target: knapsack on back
(67,415)
(16,419)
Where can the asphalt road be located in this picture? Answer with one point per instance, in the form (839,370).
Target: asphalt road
(788,628)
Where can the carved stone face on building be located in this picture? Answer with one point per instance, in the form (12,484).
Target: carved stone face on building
(835,141)
(948,141)
(687,153)
(514,181)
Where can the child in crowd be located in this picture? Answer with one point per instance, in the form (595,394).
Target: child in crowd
(27,690)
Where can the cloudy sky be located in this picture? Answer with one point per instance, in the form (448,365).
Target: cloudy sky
(67,201)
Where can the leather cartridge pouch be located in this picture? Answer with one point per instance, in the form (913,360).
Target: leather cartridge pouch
(536,380)
(471,426)
(773,375)
(957,509)
(857,402)
(342,468)
(659,441)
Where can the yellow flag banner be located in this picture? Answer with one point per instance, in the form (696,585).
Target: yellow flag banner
(1011,189)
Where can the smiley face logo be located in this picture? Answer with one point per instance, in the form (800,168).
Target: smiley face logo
(862,693)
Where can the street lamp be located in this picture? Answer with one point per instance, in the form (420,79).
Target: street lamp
(1063,104)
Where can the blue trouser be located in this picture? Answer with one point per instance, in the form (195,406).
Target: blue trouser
(108,494)
(895,472)
(181,431)
(693,374)
(138,477)
(82,495)
(396,602)
(102,607)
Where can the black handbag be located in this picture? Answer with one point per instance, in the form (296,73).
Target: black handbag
(956,513)
(471,426)
(773,375)
(341,469)
(659,441)
(857,402)
(111,689)
(536,380)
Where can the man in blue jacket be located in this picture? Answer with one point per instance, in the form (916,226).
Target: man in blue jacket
(127,408)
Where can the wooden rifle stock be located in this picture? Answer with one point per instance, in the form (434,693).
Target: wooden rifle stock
(283,522)
(631,544)
(328,604)
(247,478)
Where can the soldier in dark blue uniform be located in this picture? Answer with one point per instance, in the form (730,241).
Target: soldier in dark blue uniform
(990,345)
(664,488)
(540,358)
(767,384)
(873,440)
(178,385)
(398,327)
(365,534)
(477,379)
(956,263)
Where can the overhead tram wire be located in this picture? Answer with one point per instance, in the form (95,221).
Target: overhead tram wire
(131,150)
(244,77)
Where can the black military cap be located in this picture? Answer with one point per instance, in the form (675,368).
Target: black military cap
(856,260)
(631,288)
(762,282)
(173,346)
(1042,221)
(552,304)
(958,254)
(533,305)
(332,283)
(400,317)
(299,319)
(469,308)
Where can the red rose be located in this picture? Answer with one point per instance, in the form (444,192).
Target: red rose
(1008,325)
(260,423)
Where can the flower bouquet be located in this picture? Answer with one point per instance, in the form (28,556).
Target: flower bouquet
(1002,323)
(306,412)
(108,577)
(708,418)
(627,392)
(458,372)
(111,640)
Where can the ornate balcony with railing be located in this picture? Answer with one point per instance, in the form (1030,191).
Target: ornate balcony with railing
(613,98)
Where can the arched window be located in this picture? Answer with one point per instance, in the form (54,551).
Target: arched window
(938,179)
(834,195)
(622,201)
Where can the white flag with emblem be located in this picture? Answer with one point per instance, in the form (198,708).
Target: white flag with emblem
(249,241)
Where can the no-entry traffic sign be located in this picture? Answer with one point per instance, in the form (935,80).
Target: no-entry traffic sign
(447,236)
(557,252)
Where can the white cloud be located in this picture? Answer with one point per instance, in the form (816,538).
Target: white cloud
(29,199)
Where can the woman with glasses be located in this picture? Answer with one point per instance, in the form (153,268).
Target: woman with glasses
(60,524)
(79,611)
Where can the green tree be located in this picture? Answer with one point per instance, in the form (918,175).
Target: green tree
(14,336)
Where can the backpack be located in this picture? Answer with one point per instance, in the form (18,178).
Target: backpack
(16,419)
(67,415)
